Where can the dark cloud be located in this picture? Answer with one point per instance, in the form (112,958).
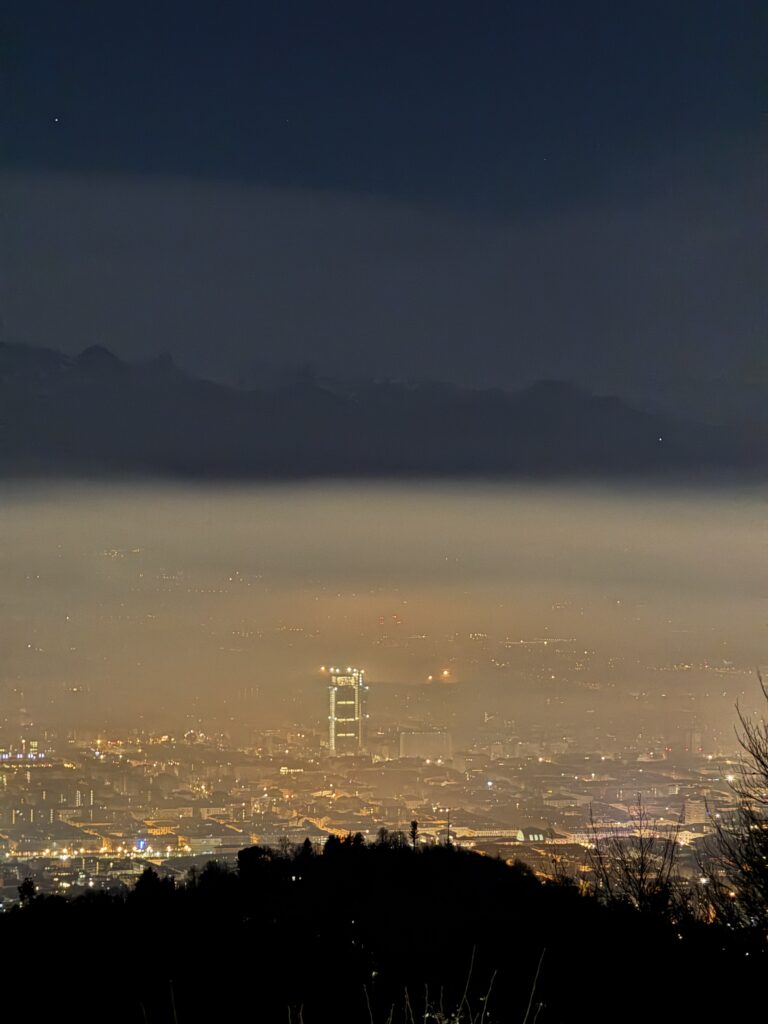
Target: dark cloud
(499,106)
(486,193)
(614,294)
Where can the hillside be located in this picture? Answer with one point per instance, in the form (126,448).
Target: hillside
(361,933)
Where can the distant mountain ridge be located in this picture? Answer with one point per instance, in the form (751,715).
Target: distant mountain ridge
(94,414)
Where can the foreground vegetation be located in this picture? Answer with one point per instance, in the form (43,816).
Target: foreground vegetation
(370,932)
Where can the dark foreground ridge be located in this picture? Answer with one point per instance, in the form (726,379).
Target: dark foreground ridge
(94,415)
(373,933)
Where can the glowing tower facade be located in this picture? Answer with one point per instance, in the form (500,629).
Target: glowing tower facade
(347,711)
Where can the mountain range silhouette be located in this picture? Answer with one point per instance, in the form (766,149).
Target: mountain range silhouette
(94,414)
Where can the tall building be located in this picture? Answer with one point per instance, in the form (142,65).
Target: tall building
(347,714)
(695,812)
(430,746)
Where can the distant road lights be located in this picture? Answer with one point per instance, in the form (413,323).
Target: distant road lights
(446,673)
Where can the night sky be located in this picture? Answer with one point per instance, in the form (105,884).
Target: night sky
(484,193)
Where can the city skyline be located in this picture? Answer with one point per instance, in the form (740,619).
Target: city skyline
(500,649)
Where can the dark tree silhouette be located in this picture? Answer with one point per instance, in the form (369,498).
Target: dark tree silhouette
(332,846)
(638,870)
(738,866)
(27,891)
(150,886)
(413,832)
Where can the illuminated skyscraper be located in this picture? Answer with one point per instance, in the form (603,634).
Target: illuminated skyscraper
(347,713)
